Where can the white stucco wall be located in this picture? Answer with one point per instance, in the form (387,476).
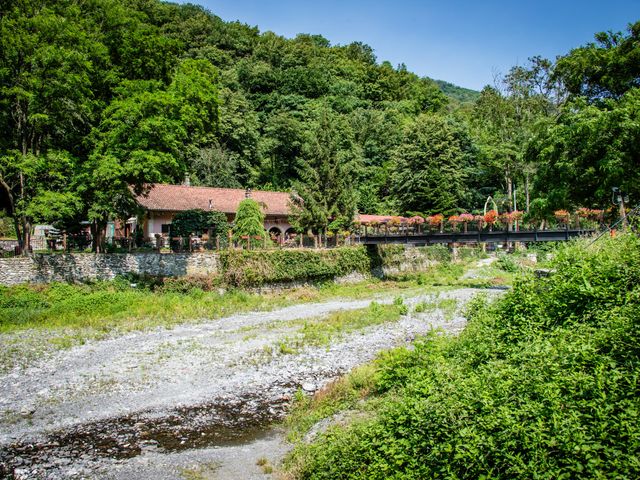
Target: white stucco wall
(154,223)
(155,220)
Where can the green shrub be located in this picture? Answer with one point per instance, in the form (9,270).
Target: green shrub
(247,268)
(507,263)
(542,384)
(471,253)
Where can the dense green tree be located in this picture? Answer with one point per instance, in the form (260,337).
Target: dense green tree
(592,145)
(282,142)
(605,69)
(249,222)
(505,120)
(431,166)
(377,133)
(145,136)
(48,64)
(238,137)
(325,193)
(215,167)
(589,150)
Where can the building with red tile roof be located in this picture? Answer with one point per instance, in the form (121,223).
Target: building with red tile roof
(163,201)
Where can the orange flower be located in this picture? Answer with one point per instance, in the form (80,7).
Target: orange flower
(562,216)
(490,217)
(436,220)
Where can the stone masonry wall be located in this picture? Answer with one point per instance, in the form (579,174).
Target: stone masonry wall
(80,267)
(397,259)
(43,268)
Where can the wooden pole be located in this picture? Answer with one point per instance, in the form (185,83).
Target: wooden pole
(623,213)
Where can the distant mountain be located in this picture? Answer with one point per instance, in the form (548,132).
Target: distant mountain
(463,95)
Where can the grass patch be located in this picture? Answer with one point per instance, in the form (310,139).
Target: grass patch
(323,330)
(461,274)
(106,306)
(205,471)
(342,394)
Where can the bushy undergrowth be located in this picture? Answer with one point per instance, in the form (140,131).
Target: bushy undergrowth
(543,384)
(247,268)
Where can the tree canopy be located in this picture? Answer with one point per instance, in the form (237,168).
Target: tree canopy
(99,99)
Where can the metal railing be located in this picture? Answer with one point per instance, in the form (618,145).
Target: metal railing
(376,234)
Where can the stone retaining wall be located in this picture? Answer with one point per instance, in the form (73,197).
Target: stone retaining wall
(79,267)
(397,259)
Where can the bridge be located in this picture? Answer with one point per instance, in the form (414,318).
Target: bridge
(496,236)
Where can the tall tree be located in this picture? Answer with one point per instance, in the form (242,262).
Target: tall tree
(324,194)
(505,120)
(431,166)
(605,69)
(592,145)
(48,63)
(145,137)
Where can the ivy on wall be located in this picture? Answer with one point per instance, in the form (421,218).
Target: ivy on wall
(248,268)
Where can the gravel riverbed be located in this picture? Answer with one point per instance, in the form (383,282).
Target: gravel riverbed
(187,402)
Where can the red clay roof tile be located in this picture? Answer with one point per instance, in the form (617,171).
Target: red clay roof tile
(175,198)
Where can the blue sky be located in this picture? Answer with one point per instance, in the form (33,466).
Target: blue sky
(463,42)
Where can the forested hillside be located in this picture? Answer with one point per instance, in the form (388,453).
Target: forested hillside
(463,95)
(100,96)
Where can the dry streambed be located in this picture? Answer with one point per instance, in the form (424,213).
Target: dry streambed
(188,402)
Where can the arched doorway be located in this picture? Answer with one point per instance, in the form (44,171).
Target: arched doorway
(275,234)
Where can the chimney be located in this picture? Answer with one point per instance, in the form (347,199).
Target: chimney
(187,181)
(210,202)
(247,193)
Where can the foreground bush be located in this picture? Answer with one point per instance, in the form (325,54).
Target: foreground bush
(543,384)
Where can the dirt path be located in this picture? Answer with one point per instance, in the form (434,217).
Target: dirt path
(186,402)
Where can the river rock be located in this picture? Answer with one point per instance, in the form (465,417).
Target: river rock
(27,411)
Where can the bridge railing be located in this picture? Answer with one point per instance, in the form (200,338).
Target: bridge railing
(471,236)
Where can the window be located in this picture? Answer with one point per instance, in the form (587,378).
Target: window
(166,228)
